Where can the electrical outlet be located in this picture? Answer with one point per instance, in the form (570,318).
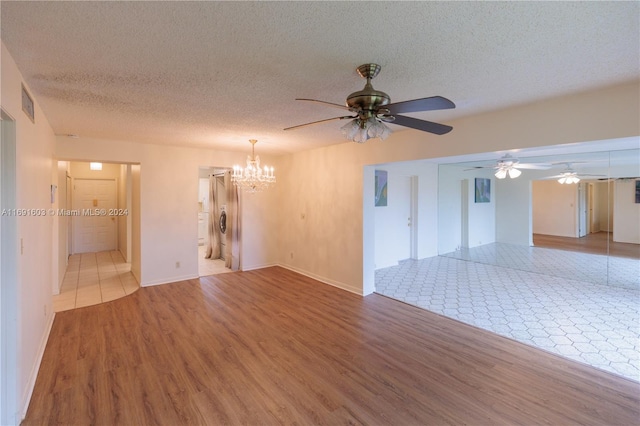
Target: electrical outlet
(291,254)
(177,265)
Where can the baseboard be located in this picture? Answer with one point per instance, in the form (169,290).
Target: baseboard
(169,281)
(36,368)
(323,280)
(254,267)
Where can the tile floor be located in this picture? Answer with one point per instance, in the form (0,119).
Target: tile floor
(93,278)
(209,266)
(594,323)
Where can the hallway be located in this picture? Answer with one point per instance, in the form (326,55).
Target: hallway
(94,278)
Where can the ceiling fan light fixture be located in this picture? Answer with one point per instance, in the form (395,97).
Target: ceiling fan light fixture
(501,173)
(514,173)
(569,178)
(360,131)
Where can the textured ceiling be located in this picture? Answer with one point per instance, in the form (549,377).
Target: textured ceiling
(215,74)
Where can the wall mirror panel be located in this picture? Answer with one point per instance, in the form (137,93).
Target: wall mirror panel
(587,230)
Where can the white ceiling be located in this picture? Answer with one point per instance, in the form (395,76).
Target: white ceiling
(215,74)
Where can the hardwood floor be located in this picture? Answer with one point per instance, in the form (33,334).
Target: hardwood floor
(272,347)
(596,243)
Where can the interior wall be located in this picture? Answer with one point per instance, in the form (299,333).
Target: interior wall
(35,174)
(9,309)
(122,204)
(555,208)
(392,238)
(449,202)
(481,217)
(626,212)
(136,232)
(514,221)
(63,223)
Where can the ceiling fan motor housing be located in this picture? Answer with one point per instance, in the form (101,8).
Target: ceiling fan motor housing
(367,101)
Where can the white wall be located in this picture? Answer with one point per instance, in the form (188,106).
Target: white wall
(514,212)
(36,173)
(392,235)
(626,213)
(555,208)
(136,237)
(63,222)
(481,216)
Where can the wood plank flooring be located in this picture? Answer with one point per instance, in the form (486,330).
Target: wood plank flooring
(596,243)
(272,347)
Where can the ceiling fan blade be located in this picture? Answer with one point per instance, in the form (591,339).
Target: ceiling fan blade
(541,166)
(424,104)
(425,126)
(320,121)
(325,103)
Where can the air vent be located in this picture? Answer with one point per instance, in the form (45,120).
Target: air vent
(27,104)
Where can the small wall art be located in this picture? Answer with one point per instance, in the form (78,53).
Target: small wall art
(381,188)
(483,190)
(638,191)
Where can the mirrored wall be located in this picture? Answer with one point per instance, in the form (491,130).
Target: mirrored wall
(573,215)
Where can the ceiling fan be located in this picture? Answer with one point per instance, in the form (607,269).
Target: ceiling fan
(372,108)
(569,175)
(510,166)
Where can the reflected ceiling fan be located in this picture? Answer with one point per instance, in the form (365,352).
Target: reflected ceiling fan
(510,166)
(372,108)
(569,175)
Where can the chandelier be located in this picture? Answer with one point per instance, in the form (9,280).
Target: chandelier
(360,130)
(252,178)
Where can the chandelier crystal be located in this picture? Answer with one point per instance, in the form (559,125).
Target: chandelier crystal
(253,178)
(359,130)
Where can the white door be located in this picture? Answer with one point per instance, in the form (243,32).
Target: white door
(582,209)
(404,230)
(95,226)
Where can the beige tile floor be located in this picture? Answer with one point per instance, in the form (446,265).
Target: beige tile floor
(209,266)
(94,278)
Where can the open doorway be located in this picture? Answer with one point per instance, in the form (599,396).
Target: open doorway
(98,222)
(212,220)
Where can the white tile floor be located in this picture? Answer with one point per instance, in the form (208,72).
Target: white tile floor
(594,323)
(210,266)
(93,278)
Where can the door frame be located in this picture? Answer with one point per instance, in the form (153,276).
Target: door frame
(9,307)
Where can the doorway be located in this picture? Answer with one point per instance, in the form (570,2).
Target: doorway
(212,220)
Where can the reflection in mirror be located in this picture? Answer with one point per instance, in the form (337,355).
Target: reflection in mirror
(566,215)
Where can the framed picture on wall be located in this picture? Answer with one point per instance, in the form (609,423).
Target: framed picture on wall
(381,188)
(483,190)
(638,191)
